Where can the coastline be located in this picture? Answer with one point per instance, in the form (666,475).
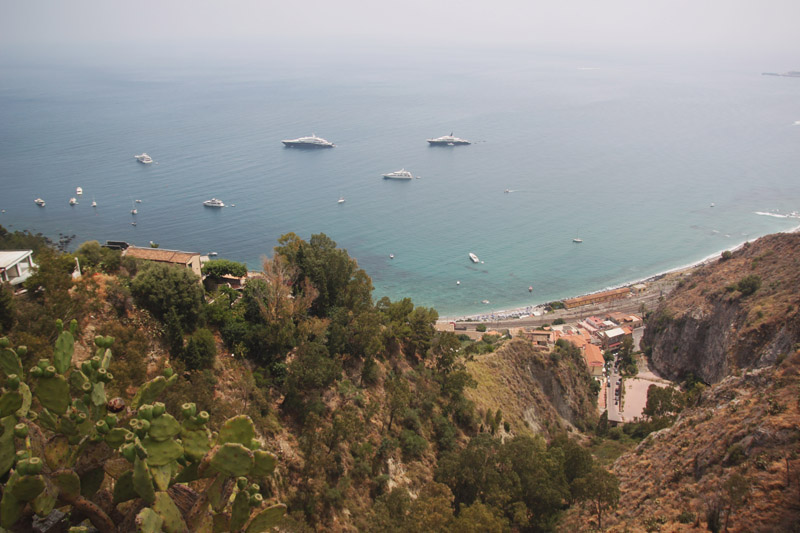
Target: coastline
(530,310)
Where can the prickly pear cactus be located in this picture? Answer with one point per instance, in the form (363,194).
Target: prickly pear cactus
(61,410)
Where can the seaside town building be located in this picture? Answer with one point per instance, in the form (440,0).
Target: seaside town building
(598,297)
(16,266)
(189,260)
(612,338)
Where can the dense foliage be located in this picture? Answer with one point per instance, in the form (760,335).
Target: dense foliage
(357,387)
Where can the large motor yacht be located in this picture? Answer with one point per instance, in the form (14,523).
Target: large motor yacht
(308,142)
(214,202)
(143,158)
(401,174)
(447,140)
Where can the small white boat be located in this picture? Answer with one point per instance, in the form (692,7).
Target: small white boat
(448,140)
(341,200)
(133,210)
(212,254)
(308,142)
(144,158)
(73,201)
(474,258)
(391,256)
(138,201)
(458,282)
(94,203)
(214,202)
(401,174)
(79,191)
(712,204)
(39,202)
(577,240)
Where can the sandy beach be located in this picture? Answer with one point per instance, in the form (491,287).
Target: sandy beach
(658,286)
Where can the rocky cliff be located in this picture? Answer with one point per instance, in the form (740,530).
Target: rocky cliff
(538,392)
(742,311)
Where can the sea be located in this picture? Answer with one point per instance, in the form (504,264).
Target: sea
(655,163)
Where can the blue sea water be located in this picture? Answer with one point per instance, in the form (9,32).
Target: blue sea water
(627,154)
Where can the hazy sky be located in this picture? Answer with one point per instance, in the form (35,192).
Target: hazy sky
(763,26)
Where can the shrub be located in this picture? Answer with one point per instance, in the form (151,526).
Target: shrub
(748,284)
(200,350)
(558,321)
(726,255)
(686,517)
(159,287)
(480,327)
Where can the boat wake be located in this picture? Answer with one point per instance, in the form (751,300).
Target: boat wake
(793,214)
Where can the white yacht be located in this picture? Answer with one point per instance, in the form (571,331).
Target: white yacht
(401,174)
(73,201)
(143,158)
(39,202)
(448,140)
(308,142)
(214,202)
(94,203)
(474,258)
(79,191)
(577,240)
(341,200)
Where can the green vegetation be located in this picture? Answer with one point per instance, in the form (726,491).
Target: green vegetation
(60,430)
(218,268)
(355,388)
(746,286)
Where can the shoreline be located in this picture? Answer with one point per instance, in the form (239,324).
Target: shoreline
(527,311)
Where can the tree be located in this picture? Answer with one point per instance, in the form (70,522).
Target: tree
(218,268)
(6,308)
(432,510)
(92,256)
(159,287)
(735,489)
(200,351)
(600,489)
(479,518)
(661,401)
(398,395)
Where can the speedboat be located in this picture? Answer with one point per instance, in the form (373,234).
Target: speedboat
(39,202)
(401,174)
(448,140)
(308,142)
(341,200)
(577,240)
(474,258)
(79,191)
(143,158)
(73,201)
(214,202)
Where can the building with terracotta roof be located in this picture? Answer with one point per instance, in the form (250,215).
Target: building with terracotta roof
(189,260)
(593,356)
(612,338)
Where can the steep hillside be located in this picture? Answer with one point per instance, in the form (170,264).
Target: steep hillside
(737,453)
(537,392)
(741,311)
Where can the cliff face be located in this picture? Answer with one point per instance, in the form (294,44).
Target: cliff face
(744,427)
(536,392)
(711,324)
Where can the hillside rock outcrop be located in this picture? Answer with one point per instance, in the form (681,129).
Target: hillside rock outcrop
(742,311)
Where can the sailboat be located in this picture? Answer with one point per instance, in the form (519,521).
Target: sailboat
(577,239)
(341,200)
(133,211)
(94,203)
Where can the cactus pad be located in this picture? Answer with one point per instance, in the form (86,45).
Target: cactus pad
(162,452)
(53,393)
(169,513)
(26,488)
(142,481)
(10,362)
(62,355)
(10,402)
(266,519)
(123,488)
(240,511)
(195,443)
(68,483)
(237,429)
(232,459)
(264,463)
(57,452)
(164,427)
(148,392)
(148,521)
(7,448)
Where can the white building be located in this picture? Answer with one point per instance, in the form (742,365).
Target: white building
(16,266)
